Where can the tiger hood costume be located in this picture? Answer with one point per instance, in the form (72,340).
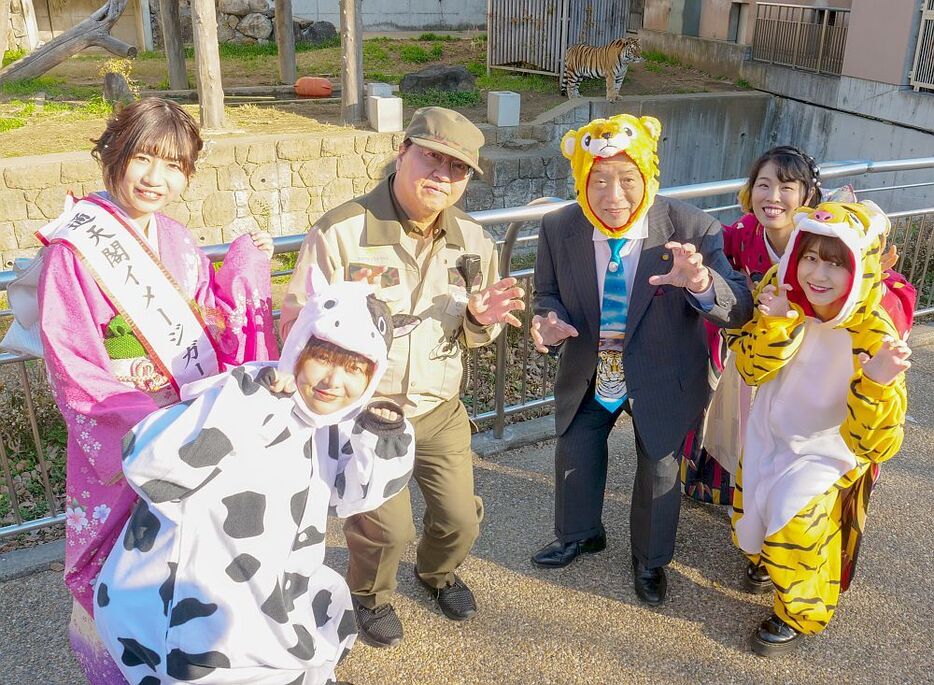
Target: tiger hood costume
(605,138)
(818,426)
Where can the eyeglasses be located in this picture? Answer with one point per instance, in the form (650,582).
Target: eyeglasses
(436,161)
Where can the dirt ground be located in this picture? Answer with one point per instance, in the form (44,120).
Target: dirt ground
(384,59)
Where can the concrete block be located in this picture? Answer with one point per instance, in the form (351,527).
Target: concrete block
(502,108)
(384,113)
(380,90)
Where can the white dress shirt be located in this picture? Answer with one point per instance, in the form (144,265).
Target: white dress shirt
(629,261)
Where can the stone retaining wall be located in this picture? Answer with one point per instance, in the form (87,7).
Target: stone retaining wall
(279,182)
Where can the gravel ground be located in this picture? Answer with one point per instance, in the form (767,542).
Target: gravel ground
(583,624)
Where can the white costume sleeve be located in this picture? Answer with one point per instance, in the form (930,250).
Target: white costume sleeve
(376,463)
(173,452)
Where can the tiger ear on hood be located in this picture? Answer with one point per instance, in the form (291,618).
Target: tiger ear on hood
(652,125)
(568,143)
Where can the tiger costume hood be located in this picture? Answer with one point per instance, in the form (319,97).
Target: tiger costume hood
(605,138)
(861,226)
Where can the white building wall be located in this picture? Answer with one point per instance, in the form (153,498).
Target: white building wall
(401,15)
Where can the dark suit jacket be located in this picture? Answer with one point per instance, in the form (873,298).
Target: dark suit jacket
(665,353)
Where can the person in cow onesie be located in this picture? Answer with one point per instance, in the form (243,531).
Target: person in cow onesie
(219,575)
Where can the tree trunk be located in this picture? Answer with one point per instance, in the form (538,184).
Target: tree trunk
(207,64)
(285,41)
(351,61)
(172,40)
(93,31)
(4,27)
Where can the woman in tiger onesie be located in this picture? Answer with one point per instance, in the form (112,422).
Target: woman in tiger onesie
(829,365)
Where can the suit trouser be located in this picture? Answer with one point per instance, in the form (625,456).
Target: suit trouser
(580,482)
(444,473)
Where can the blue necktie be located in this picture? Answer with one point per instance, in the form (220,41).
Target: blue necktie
(610,390)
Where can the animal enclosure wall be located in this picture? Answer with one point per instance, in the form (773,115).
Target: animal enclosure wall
(533,35)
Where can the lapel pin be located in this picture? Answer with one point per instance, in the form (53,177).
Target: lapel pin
(666,257)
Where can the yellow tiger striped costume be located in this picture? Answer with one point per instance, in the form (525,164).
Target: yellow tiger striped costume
(810,559)
(607,61)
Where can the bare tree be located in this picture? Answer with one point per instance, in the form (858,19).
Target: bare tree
(93,31)
(351,61)
(4,27)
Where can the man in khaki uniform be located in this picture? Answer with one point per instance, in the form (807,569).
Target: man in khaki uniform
(408,240)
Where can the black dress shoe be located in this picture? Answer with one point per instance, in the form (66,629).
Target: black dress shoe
(455,600)
(757,579)
(377,627)
(651,583)
(559,554)
(774,637)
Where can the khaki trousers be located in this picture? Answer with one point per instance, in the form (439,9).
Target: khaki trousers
(444,473)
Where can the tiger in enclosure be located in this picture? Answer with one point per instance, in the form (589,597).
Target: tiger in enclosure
(609,61)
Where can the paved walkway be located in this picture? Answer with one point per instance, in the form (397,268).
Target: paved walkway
(584,624)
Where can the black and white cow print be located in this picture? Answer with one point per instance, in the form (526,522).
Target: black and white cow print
(220,578)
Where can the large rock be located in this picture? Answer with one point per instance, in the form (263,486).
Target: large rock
(255,25)
(116,89)
(439,77)
(314,32)
(242,8)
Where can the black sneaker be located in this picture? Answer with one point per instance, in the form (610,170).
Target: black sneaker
(455,600)
(378,627)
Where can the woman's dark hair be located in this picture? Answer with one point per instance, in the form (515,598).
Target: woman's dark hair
(791,164)
(150,126)
(828,248)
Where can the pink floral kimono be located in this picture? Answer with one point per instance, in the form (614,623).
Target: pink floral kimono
(99,410)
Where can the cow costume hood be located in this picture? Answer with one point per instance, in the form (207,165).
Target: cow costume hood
(605,138)
(350,316)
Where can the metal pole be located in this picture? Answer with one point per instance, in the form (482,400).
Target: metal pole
(505,257)
(820,47)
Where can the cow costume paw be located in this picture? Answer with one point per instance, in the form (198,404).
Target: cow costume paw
(385,420)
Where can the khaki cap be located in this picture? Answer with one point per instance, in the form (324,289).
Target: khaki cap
(448,132)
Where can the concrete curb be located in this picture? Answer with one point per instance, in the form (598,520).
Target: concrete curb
(29,560)
(516,435)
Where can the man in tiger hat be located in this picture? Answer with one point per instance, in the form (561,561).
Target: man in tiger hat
(623,281)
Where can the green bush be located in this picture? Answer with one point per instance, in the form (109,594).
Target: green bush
(435,36)
(10,123)
(442,98)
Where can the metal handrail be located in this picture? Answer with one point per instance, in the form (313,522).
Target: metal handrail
(516,218)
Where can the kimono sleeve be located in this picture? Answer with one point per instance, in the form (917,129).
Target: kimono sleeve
(765,343)
(98,409)
(380,463)
(241,292)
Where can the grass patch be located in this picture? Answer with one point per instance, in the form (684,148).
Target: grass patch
(742,83)
(655,67)
(416,54)
(52,87)
(654,56)
(10,123)
(11,56)
(519,82)
(436,36)
(381,77)
(442,98)
(374,52)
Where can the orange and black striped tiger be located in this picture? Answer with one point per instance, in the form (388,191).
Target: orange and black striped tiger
(608,61)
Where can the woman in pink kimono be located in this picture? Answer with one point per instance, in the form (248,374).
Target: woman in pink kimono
(131,310)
